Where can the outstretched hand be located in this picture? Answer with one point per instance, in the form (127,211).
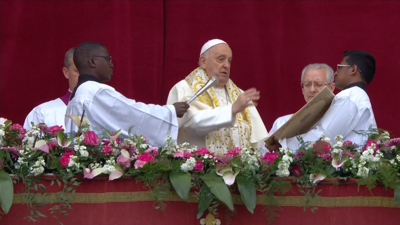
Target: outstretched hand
(273,146)
(246,99)
(181,108)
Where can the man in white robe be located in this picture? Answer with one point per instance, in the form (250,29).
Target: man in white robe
(107,109)
(53,112)
(314,78)
(351,109)
(224,116)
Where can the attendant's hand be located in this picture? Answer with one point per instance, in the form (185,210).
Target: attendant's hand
(273,146)
(181,108)
(246,99)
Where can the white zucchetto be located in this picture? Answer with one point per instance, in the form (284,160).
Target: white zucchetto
(211,43)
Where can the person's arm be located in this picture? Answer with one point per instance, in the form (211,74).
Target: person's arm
(34,116)
(340,119)
(112,111)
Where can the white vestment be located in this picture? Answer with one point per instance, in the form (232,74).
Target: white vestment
(107,109)
(201,119)
(51,113)
(350,111)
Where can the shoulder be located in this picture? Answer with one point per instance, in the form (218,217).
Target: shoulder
(56,103)
(91,87)
(283,119)
(355,94)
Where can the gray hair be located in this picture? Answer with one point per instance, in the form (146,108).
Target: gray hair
(68,57)
(329,75)
(205,54)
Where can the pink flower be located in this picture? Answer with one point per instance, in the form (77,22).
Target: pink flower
(198,166)
(369,143)
(65,158)
(52,144)
(183,154)
(107,150)
(296,170)
(124,158)
(44,128)
(142,159)
(55,129)
(299,154)
(392,142)
(19,129)
(152,150)
(91,138)
(322,146)
(269,157)
(234,152)
(202,151)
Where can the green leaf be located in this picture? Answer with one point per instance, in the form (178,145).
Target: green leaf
(219,189)
(397,194)
(6,191)
(205,200)
(182,184)
(236,161)
(247,192)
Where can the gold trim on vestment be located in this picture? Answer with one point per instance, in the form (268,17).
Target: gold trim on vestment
(217,141)
(145,196)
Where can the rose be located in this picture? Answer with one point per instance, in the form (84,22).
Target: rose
(199,166)
(296,170)
(269,157)
(202,151)
(65,158)
(322,146)
(183,154)
(55,129)
(142,159)
(369,143)
(91,138)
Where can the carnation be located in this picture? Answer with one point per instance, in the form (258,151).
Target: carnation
(269,157)
(202,151)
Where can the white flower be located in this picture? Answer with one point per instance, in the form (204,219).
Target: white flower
(84,153)
(339,138)
(398,158)
(363,172)
(38,168)
(143,146)
(188,165)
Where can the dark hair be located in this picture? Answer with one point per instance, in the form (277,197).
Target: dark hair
(84,51)
(67,57)
(365,63)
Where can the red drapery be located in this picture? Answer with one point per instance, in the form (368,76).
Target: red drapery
(156,43)
(125,201)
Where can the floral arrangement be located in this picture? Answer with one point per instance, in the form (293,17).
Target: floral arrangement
(28,154)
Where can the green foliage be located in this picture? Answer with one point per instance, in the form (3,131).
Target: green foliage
(218,188)
(181,184)
(6,191)
(247,192)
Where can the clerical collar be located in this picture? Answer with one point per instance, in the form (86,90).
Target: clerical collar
(357,84)
(82,79)
(65,98)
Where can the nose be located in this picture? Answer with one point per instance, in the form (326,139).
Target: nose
(312,88)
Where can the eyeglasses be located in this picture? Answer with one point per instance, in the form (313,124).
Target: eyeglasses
(342,65)
(104,57)
(308,85)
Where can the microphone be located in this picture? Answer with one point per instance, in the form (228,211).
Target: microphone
(210,83)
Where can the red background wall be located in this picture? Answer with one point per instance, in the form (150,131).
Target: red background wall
(156,43)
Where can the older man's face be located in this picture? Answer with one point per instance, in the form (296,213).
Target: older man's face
(314,81)
(218,63)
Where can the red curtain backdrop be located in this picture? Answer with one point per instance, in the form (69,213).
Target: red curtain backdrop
(156,43)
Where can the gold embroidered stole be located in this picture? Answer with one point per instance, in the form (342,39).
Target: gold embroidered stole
(217,141)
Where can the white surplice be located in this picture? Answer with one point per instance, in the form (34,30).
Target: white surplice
(350,111)
(51,113)
(202,119)
(107,109)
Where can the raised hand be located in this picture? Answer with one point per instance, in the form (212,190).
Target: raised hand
(246,99)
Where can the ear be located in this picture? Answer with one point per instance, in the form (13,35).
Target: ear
(353,70)
(92,63)
(332,87)
(202,62)
(65,72)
